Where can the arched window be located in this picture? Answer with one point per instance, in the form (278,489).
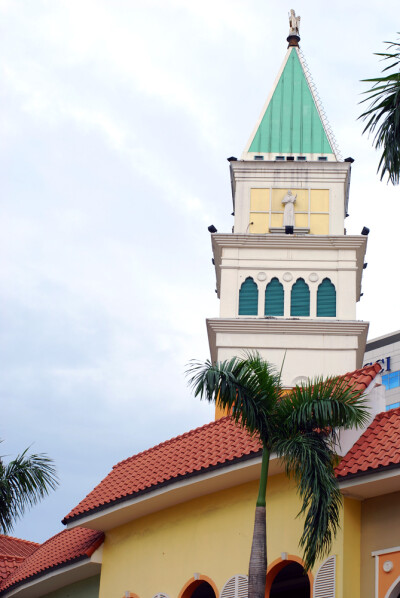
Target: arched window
(199,587)
(274,298)
(394,590)
(300,299)
(248,298)
(290,581)
(326,299)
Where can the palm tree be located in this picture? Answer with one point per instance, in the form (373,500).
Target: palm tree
(383,114)
(300,426)
(24,481)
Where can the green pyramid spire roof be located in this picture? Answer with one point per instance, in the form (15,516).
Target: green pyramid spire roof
(291,122)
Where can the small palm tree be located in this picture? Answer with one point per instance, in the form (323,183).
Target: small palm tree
(383,114)
(300,426)
(24,481)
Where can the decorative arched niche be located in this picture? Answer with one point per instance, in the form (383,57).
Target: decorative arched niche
(326,299)
(300,298)
(299,381)
(274,298)
(248,298)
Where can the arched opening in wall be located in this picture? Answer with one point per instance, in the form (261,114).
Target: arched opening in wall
(199,588)
(291,580)
(248,298)
(394,590)
(204,590)
(300,298)
(326,299)
(274,298)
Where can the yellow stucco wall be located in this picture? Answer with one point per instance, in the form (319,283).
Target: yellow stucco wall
(349,564)
(380,518)
(311,210)
(210,536)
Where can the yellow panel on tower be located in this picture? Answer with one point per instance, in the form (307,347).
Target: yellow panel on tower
(301,204)
(319,224)
(258,223)
(319,200)
(276,220)
(276,199)
(259,200)
(301,220)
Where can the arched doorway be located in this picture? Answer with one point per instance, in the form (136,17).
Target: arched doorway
(203,587)
(291,580)
(394,590)
(204,590)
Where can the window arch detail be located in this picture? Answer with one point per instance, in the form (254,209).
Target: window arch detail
(235,587)
(326,299)
(248,298)
(300,298)
(274,299)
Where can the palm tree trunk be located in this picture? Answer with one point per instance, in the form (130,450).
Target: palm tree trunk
(258,556)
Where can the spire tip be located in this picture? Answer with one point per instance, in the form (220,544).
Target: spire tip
(294,27)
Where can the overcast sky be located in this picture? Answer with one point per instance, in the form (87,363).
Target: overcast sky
(116,121)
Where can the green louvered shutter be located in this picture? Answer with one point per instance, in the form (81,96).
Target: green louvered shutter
(300,299)
(326,299)
(248,298)
(274,298)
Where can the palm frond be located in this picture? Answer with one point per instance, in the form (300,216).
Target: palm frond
(383,114)
(23,482)
(324,404)
(249,388)
(309,459)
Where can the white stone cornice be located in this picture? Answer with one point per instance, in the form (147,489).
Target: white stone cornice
(275,169)
(273,241)
(297,326)
(306,346)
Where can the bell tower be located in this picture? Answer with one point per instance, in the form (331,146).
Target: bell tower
(288,277)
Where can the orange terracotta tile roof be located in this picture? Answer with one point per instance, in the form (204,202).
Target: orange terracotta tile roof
(361,379)
(16,547)
(13,552)
(8,564)
(377,447)
(214,445)
(65,548)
